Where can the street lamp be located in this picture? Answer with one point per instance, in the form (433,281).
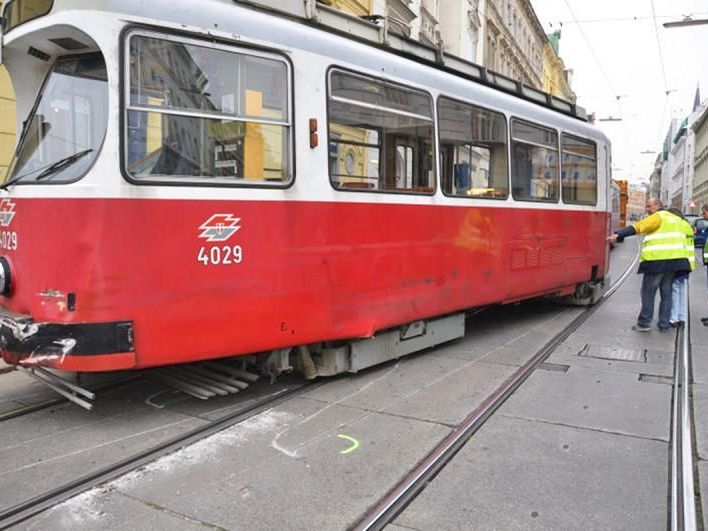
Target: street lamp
(688,21)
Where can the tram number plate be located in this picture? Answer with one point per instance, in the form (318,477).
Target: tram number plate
(8,240)
(220,255)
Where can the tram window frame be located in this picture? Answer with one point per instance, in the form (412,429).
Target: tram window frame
(240,51)
(587,141)
(503,150)
(512,159)
(7,25)
(383,141)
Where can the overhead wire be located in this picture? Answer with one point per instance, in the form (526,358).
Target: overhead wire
(658,44)
(627,19)
(594,55)
(663,72)
(614,93)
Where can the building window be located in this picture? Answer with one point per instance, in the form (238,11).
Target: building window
(473,151)
(578,170)
(534,162)
(380,135)
(202,113)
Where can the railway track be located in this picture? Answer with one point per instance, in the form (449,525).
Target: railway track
(32,507)
(45,404)
(683,495)
(387,508)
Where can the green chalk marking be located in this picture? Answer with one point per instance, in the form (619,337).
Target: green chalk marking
(354,446)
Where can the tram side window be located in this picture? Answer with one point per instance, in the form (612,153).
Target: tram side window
(534,162)
(20,11)
(380,136)
(578,170)
(202,114)
(472,151)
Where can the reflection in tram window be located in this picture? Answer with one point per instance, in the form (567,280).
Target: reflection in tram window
(380,136)
(63,135)
(472,151)
(206,114)
(534,162)
(578,170)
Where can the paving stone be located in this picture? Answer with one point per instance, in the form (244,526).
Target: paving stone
(49,448)
(519,474)
(430,388)
(601,400)
(700,414)
(703,485)
(378,387)
(659,363)
(284,469)
(450,399)
(84,512)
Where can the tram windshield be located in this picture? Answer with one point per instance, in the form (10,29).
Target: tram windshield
(65,130)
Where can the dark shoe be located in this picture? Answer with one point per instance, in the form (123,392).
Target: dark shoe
(640,328)
(704,320)
(674,324)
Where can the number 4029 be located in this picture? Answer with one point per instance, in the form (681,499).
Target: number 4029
(220,255)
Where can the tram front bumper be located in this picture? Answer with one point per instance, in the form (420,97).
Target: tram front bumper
(67,346)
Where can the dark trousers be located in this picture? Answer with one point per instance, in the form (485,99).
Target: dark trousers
(650,283)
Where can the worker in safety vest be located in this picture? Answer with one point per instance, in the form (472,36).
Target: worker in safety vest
(679,287)
(704,213)
(663,254)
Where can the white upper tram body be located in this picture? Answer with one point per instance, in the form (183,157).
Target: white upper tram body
(105,26)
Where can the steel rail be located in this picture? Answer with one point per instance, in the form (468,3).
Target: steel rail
(39,406)
(31,408)
(403,493)
(683,498)
(34,506)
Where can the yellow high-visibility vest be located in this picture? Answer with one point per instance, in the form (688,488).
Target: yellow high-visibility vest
(690,244)
(668,242)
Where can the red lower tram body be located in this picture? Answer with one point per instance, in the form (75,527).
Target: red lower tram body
(108,284)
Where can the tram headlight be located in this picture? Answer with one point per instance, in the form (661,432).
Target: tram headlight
(5,277)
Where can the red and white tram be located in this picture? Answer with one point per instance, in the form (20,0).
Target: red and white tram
(197,180)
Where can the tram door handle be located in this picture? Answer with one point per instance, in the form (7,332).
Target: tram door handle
(314,139)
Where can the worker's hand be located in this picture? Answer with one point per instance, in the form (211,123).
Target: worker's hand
(612,238)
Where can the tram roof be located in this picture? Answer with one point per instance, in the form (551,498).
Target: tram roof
(373,31)
(376,30)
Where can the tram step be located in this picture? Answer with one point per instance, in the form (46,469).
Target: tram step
(78,395)
(207,379)
(390,345)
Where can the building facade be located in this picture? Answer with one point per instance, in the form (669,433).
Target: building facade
(556,79)
(7,121)
(514,40)
(655,177)
(503,35)
(700,159)
(355,7)
(636,201)
(462,28)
